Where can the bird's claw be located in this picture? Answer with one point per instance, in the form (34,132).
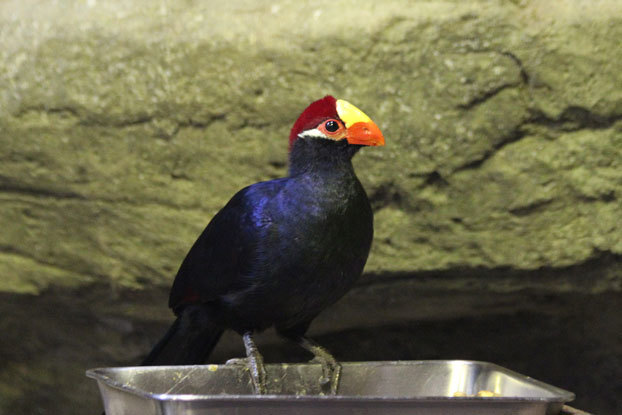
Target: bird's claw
(331,373)
(331,369)
(255,369)
(237,361)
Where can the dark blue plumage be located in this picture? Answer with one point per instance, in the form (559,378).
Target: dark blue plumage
(282,250)
(277,254)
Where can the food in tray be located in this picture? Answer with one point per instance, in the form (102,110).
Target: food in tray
(486,393)
(482,394)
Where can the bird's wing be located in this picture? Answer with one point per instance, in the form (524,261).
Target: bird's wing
(223,257)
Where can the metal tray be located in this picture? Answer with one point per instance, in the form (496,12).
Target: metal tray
(401,387)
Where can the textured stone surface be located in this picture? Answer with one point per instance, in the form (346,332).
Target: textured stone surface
(124,126)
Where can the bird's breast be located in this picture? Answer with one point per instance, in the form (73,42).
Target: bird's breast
(315,238)
(317,252)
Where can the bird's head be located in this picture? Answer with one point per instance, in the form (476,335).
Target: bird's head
(335,120)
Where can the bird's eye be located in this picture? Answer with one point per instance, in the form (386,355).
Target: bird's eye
(332,129)
(331,126)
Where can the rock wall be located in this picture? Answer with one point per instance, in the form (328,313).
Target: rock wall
(124,126)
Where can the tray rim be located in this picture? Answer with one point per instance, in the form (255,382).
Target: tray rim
(562,395)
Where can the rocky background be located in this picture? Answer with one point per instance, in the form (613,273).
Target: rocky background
(125,125)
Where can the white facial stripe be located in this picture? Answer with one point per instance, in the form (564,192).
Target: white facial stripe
(314,133)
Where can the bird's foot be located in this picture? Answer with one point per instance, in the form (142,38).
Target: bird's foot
(237,361)
(254,363)
(257,372)
(331,373)
(331,369)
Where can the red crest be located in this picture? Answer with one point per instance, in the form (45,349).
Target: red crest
(318,111)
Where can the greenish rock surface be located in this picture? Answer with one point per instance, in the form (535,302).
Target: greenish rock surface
(124,126)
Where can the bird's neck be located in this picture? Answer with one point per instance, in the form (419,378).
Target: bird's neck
(324,157)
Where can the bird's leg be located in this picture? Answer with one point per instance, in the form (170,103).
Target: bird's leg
(331,369)
(254,363)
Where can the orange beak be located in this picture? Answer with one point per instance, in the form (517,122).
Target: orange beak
(364,133)
(360,129)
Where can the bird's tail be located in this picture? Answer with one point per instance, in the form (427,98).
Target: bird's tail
(189,341)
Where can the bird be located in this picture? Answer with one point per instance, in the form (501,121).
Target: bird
(280,251)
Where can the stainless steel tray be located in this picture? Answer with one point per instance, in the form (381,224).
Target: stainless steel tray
(401,387)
